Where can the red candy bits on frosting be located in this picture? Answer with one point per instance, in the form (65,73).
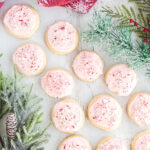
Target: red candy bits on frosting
(75,142)
(57,83)
(139,108)
(105,112)
(62,37)
(111,143)
(21,21)
(141,141)
(30,59)
(121,79)
(67,116)
(88,66)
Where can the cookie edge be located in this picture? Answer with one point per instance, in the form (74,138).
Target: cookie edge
(105,129)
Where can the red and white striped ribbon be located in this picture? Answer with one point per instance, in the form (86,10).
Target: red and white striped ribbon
(1,3)
(82,6)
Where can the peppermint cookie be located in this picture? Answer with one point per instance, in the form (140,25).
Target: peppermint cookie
(139,108)
(57,83)
(62,38)
(21,21)
(68,116)
(75,142)
(110,143)
(88,65)
(105,112)
(121,79)
(29,59)
(141,141)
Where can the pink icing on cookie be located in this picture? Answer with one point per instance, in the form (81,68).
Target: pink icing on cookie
(88,66)
(105,112)
(121,79)
(68,116)
(20,20)
(75,143)
(57,83)
(30,59)
(62,37)
(139,109)
(143,142)
(112,144)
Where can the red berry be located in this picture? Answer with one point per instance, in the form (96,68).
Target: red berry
(145,30)
(149,49)
(144,40)
(135,24)
(131,20)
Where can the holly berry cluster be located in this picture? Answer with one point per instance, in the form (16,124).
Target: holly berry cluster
(143,29)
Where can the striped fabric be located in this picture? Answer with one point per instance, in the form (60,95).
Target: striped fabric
(82,6)
(51,3)
(1,3)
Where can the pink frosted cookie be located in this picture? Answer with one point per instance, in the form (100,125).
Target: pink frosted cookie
(57,83)
(141,141)
(105,112)
(88,65)
(110,143)
(21,21)
(62,38)
(121,79)
(75,142)
(68,116)
(139,108)
(29,59)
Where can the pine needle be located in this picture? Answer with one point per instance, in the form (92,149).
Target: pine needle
(123,15)
(120,45)
(19,99)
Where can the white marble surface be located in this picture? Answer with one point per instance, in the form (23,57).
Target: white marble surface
(83,92)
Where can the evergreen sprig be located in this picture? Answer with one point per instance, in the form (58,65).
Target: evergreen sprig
(143,5)
(17,98)
(123,15)
(120,44)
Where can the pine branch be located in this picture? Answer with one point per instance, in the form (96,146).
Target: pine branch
(16,98)
(124,14)
(144,5)
(120,45)
(137,22)
(144,9)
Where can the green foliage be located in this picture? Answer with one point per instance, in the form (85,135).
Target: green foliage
(143,5)
(124,14)
(120,45)
(17,98)
(144,9)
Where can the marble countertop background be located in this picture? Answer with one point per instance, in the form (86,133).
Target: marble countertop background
(83,92)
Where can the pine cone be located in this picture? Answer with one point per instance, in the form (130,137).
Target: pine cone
(11,125)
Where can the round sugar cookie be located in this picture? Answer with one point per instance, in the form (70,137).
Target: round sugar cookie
(105,112)
(88,65)
(68,116)
(75,142)
(139,109)
(57,83)
(21,21)
(62,38)
(121,79)
(29,59)
(141,141)
(110,143)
